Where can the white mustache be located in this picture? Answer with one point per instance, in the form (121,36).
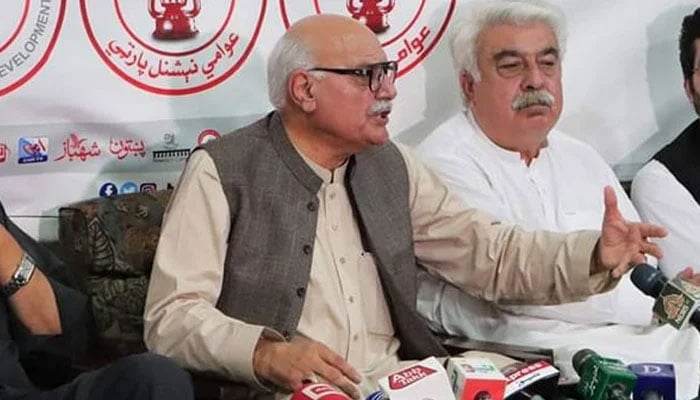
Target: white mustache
(537,97)
(380,107)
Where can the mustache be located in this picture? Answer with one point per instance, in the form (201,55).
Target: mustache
(534,98)
(380,107)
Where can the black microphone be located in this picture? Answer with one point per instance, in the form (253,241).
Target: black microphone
(677,300)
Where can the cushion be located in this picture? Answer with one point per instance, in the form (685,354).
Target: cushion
(113,240)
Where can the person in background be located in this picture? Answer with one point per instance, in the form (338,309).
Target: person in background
(290,248)
(45,319)
(667,189)
(503,155)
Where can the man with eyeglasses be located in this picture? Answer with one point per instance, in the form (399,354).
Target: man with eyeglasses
(667,188)
(289,250)
(503,155)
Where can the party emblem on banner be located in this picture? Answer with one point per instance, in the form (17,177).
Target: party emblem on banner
(173,47)
(28,33)
(407,29)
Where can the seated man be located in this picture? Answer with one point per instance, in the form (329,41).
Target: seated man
(501,155)
(289,250)
(667,189)
(43,316)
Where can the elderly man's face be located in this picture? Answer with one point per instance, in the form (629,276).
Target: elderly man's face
(692,85)
(519,97)
(348,110)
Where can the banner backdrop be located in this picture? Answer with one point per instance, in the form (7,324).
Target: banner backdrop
(103,97)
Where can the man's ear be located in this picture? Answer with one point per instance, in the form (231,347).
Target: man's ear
(300,85)
(466,82)
(688,86)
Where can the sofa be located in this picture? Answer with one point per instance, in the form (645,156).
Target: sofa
(111,242)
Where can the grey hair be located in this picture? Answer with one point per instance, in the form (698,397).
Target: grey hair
(288,55)
(479,15)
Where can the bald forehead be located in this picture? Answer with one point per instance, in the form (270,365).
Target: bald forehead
(334,37)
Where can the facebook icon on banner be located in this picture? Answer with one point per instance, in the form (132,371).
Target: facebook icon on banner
(108,189)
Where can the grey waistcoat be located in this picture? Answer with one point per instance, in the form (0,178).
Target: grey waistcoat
(271,194)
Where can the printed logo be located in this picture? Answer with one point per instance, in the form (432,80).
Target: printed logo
(207,135)
(129,187)
(318,391)
(121,148)
(108,189)
(409,376)
(408,29)
(4,152)
(33,150)
(26,42)
(76,147)
(171,150)
(148,187)
(173,47)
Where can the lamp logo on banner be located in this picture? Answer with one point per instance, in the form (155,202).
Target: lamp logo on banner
(4,152)
(173,47)
(407,29)
(28,32)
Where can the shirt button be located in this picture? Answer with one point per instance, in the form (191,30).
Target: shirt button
(342,260)
(334,227)
(311,206)
(355,337)
(332,195)
(307,249)
(351,299)
(301,292)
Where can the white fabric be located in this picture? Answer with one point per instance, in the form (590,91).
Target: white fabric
(661,199)
(561,190)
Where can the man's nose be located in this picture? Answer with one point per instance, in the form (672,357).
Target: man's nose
(533,78)
(387,90)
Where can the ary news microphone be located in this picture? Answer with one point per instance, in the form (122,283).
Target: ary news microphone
(424,380)
(602,378)
(319,391)
(655,381)
(677,300)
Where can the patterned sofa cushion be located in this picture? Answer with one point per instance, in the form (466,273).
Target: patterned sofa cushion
(112,241)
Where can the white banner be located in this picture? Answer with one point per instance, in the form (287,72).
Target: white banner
(100,97)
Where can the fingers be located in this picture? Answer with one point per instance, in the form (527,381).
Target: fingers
(339,363)
(610,200)
(651,230)
(686,273)
(290,365)
(651,249)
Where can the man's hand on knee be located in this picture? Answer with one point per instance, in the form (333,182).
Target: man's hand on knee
(291,364)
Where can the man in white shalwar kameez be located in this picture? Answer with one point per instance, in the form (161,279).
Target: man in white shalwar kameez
(503,156)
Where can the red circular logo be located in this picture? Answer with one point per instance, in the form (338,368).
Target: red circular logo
(407,29)
(27,43)
(173,47)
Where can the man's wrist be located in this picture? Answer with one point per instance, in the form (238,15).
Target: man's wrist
(8,269)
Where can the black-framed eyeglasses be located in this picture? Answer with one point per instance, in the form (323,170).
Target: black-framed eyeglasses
(376,74)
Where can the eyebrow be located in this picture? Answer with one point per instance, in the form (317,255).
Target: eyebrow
(514,53)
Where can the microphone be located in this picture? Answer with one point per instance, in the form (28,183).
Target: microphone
(529,379)
(654,381)
(677,300)
(426,379)
(476,379)
(602,378)
(319,391)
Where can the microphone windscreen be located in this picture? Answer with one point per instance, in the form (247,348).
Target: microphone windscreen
(648,279)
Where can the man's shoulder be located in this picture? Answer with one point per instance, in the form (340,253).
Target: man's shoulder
(248,140)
